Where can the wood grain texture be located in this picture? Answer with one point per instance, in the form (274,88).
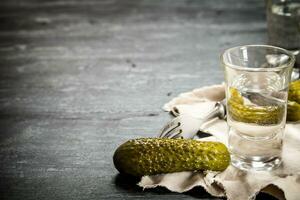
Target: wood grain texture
(78,78)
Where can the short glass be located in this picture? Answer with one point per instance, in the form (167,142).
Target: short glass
(257,79)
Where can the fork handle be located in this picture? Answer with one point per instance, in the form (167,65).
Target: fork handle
(217,111)
(192,131)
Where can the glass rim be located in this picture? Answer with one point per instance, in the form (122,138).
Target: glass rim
(280,67)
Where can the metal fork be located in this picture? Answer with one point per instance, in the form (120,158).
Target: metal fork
(186,126)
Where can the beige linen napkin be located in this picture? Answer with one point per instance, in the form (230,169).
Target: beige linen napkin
(283,183)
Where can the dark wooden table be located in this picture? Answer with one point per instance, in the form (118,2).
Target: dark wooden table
(78,78)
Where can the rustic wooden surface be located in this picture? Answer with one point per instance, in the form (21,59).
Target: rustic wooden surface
(78,78)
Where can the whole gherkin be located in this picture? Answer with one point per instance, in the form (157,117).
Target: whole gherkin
(150,156)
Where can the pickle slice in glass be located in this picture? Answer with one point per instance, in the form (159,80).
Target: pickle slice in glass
(258,114)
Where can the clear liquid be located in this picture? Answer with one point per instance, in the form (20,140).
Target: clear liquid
(257,144)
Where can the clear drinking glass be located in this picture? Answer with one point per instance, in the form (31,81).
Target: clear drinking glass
(257,78)
(283,20)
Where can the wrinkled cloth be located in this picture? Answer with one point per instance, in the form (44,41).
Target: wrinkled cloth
(235,184)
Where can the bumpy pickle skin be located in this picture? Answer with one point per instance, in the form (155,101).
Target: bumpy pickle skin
(264,115)
(293,111)
(294,91)
(151,156)
(293,107)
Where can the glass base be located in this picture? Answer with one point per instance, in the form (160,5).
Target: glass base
(256,164)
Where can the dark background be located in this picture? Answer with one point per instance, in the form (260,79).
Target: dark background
(78,78)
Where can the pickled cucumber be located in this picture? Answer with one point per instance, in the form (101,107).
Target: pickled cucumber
(150,156)
(293,111)
(294,91)
(263,115)
(293,108)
